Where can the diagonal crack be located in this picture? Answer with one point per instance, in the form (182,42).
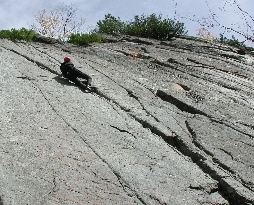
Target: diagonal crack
(34,61)
(54,189)
(178,103)
(121,130)
(184,107)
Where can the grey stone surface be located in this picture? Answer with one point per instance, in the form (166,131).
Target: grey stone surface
(171,123)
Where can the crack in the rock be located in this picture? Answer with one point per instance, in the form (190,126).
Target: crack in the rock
(156,61)
(36,62)
(137,55)
(54,189)
(232,194)
(55,111)
(195,156)
(131,94)
(136,40)
(228,153)
(197,62)
(184,107)
(194,139)
(200,161)
(25,78)
(199,146)
(232,127)
(195,187)
(125,185)
(179,104)
(157,200)
(231,56)
(121,130)
(169,139)
(235,73)
(248,125)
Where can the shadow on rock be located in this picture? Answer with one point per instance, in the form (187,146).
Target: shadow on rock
(60,79)
(64,81)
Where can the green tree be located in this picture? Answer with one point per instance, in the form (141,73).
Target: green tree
(110,25)
(152,26)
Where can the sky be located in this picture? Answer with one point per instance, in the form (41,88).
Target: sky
(21,13)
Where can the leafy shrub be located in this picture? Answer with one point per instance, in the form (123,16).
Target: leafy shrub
(232,42)
(15,34)
(144,26)
(85,39)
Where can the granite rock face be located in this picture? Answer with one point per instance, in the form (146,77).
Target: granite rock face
(171,123)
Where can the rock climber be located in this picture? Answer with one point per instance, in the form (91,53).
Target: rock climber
(71,73)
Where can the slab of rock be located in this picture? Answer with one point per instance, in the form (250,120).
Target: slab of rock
(171,123)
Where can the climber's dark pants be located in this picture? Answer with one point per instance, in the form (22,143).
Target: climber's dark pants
(78,74)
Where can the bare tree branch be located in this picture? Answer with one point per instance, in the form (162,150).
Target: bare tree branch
(248,35)
(58,23)
(243,27)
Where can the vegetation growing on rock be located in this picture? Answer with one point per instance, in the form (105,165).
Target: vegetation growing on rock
(151,26)
(85,39)
(145,26)
(18,34)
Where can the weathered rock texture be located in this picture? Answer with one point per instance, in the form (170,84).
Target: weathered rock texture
(171,123)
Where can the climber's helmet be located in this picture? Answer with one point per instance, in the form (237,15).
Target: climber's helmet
(67,59)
